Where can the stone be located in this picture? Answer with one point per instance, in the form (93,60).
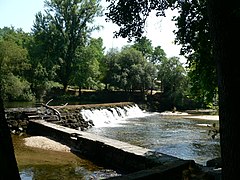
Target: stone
(216,163)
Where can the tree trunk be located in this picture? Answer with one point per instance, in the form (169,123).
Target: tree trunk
(8,167)
(79,91)
(225,28)
(65,86)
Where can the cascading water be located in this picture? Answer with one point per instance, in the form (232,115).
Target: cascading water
(112,116)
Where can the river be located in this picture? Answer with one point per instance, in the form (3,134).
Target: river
(40,164)
(179,136)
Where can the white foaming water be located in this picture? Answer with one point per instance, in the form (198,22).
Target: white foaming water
(112,116)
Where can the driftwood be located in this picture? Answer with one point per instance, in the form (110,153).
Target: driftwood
(53,109)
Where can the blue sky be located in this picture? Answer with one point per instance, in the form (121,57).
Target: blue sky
(21,14)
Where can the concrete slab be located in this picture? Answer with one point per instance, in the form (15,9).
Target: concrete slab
(109,152)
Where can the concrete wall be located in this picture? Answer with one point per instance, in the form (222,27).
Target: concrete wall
(108,152)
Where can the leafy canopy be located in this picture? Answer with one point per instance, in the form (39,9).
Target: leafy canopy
(14,64)
(193,34)
(64,28)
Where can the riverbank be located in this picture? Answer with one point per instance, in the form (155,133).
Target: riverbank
(45,143)
(28,155)
(46,163)
(190,115)
(204,117)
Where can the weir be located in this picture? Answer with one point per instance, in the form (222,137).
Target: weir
(108,152)
(112,115)
(141,162)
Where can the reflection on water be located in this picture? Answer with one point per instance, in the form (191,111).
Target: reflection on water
(64,173)
(35,163)
(172,135)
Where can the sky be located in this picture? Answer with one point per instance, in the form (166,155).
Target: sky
(21,14)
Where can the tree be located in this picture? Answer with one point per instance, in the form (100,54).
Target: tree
(224,20)
(144,45)
(14,64)
(203,82)
(173,80)
(15,35)
(158,55)
(131,64)
(129,70)
(193,34)
(224,23)
(63,29)
(8,167)
(111,68)
(87,64)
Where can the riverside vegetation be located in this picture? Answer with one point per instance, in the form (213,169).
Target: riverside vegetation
(60,52)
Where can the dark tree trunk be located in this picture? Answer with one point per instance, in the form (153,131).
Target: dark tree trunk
(8,167)
(65,86)
(79,91)
(225,28)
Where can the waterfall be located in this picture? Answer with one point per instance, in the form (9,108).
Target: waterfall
(112,116)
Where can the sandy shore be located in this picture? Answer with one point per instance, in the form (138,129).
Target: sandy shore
(45,143)
(177,113)
(190,116)
(204,117)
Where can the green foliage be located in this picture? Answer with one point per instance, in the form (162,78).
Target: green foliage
(144,45)
(130,16)
(41,83)
(193,34)
(111,68)
(129,70)
(174,80)
(62,30)
(87,64)
(60,50)
(158,55)
(16,88)
(17,36)
(13,58)
(13,65)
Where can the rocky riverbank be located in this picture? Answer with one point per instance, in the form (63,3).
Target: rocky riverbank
(18,118)
(68,116)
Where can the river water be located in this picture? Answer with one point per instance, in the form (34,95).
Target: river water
(173,135)
(40,164)
(179,136)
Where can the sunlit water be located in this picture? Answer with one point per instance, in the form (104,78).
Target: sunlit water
(64,173)
(172,135)
(38,164)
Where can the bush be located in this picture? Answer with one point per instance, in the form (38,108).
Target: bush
(16,89)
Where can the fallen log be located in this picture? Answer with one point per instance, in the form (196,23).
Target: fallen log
(56,112)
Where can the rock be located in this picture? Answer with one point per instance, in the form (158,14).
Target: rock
(20,129)
(72,120)
(216,163)
(90,122)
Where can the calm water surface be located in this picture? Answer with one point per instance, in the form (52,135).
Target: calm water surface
(172,135)
(39,164)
